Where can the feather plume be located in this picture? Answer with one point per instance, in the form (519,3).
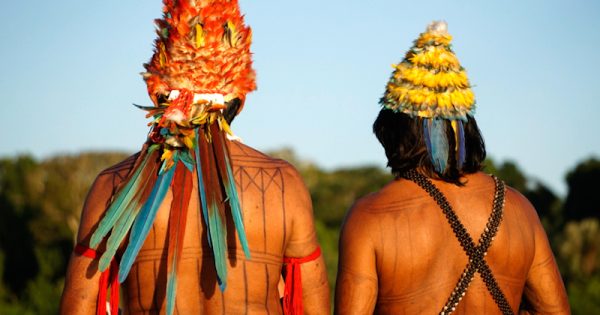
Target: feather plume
(124,208)
(143,222)
(123,224)
(117,205)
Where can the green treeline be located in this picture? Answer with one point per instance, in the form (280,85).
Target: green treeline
(40,204)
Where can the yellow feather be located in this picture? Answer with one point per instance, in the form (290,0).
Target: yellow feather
(199,36)
(162,54)
(189,141)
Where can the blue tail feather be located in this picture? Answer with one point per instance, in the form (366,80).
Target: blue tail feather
(201,187)
(462,154)
(439,144)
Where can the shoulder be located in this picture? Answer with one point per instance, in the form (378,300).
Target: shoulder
(100,195)
(515,201)
(119,171)
(246,157)
(397,195)
(362,221)
(243,155)
(110,178)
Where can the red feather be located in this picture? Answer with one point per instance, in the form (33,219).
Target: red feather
(182,191)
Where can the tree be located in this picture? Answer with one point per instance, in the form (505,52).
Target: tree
(41,203)
(579,259)
(544,200)
(19,201)
(583,199)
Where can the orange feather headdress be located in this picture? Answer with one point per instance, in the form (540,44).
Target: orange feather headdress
(203,46)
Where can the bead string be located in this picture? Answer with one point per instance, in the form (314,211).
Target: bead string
(476,253)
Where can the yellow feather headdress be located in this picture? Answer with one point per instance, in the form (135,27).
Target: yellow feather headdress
(430,81)
(430,84)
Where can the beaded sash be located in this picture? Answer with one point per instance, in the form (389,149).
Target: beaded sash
(475,252)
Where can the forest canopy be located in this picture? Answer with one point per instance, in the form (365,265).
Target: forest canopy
(40,205)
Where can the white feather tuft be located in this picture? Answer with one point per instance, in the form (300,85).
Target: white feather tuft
(440,27)
(174,94)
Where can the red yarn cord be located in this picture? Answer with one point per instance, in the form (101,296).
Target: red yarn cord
(292,295)
(109,277)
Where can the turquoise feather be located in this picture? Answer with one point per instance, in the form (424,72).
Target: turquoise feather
(186,158)
(201,187)
(116,237)
(143,222)
(171,292)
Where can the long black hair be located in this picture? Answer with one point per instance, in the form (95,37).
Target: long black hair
(403,140)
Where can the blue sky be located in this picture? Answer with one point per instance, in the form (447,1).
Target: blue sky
(70,72)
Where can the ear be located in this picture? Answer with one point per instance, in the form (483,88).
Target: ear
(233,107)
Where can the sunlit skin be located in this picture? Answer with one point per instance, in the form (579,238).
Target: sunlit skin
(398,254)
(279,222)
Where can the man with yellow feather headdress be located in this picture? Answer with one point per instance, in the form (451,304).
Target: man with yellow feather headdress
(197,222)
(443,237)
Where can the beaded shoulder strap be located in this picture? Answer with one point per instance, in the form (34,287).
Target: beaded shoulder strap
(475,252)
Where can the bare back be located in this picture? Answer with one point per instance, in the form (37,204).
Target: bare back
(278,220)
(411,260)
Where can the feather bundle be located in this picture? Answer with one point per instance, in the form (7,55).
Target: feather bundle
(215,178)
(125,206)
(143,222)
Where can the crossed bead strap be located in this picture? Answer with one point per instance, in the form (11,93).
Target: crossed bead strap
(476,253)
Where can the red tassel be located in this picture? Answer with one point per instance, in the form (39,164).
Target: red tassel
(109,277)
(292,295)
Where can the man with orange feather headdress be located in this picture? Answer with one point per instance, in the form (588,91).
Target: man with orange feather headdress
(197,222)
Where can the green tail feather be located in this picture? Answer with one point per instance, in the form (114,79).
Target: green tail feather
(123,224)
(116,237)
(234,202)
(116,209)
(219,244)
(121,202)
